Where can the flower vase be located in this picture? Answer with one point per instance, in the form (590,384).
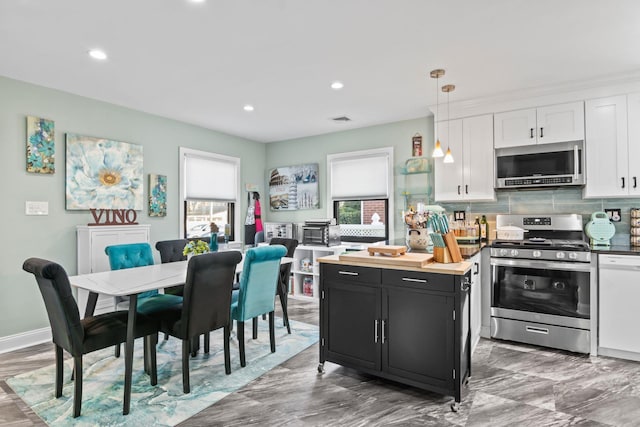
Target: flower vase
(213,243)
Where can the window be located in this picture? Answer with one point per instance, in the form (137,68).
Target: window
(199,214)
(362,220)
(209,193)
(359,189)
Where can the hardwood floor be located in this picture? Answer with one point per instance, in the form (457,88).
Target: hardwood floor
(511,385)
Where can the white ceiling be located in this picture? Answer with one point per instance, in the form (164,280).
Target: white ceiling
(200,63)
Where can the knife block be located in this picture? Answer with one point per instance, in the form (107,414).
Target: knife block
(441,255)
(452,245)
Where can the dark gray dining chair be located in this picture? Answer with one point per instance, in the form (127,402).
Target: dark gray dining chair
(81,336)
(206,306)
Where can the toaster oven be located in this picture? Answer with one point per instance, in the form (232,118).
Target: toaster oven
(320,233)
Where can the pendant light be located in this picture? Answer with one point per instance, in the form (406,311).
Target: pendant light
(448,158)
(437,150)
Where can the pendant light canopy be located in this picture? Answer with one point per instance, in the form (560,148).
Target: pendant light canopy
(448,158)
(437,150)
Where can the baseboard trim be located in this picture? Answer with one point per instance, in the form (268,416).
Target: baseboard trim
(25,339)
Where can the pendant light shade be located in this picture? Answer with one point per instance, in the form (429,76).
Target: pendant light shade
(448,158)
(437,150)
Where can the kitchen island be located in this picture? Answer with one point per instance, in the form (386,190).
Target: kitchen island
(406,324)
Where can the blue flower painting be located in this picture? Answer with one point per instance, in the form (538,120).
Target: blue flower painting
(41,147)
(157,195)
(103,174)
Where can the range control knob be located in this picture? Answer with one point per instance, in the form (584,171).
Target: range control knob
(503,252)
(573,255)
(536,254)
(514,252)
(560,255)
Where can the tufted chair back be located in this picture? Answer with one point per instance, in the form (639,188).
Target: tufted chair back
(258,282)
(130,255)
(171,250)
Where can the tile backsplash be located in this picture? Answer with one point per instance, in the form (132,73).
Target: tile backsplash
(555,201)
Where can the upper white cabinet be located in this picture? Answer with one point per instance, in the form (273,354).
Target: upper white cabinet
(543,125)
(471,175)
(612,147)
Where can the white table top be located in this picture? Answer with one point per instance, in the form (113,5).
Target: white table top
(140,279)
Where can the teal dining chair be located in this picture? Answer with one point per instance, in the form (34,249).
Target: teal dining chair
(257,291)
(132,255)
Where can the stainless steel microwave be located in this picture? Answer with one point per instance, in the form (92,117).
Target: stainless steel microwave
(540,165)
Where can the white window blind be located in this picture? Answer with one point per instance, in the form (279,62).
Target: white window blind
(356,176)
(210,178)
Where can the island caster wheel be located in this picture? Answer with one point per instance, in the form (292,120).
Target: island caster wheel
(466,382)
(321,368)
(455,406)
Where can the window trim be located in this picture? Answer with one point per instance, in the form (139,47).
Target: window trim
(184,152)
(361,154)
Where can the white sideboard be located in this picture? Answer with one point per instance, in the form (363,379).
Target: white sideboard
(91,256)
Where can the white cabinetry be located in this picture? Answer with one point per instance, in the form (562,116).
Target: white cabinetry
(476,300)
(306,269)
(612,148)
(619,306)
(543,125)
(91,256)
(471,176)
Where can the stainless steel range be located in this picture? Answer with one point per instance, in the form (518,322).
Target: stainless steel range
(540,286)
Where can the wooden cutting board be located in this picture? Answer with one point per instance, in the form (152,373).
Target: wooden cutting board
(407,260)
(387,250)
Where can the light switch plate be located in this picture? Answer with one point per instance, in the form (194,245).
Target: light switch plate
(459,215)
(615,215)
(36,208)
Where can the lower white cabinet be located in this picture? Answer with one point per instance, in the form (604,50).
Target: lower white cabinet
(91,256)
(619,306)
(476,300)
(306,270)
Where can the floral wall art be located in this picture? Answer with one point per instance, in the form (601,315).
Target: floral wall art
(294,187)
(41,148)
(103,174)
(157,195)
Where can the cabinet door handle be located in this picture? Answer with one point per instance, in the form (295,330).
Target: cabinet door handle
(383,337)
(409,279)
(458,189)
(531,133)
(541,133)
(375,332)
(466,189)
(635,183)
(622,181)
(348,273)
(477,266)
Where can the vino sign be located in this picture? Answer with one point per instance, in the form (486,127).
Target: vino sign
(114,217)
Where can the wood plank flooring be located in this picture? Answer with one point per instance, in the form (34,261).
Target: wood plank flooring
(512,385)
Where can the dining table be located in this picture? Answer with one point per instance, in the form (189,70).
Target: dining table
(130,282)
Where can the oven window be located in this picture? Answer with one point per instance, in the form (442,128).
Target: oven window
(546,291)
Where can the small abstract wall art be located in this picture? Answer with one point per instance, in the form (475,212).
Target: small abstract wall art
(157,195)
(41,149)
(294,187)
(103,174)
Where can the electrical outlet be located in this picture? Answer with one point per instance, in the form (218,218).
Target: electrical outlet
(459,215)
(615,215)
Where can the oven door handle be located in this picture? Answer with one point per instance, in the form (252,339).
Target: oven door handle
(547,265)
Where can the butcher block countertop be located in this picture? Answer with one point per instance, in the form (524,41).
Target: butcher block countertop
(363,259)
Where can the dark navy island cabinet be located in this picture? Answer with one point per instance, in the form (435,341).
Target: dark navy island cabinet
(407,326)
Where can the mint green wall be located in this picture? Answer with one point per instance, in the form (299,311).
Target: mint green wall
(53,236)
(315,149)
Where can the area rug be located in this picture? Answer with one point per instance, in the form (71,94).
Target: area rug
(164,404)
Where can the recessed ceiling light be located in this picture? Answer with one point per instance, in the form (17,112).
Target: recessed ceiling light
(248,107)
(337,85)
(197,1)
(97,54)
